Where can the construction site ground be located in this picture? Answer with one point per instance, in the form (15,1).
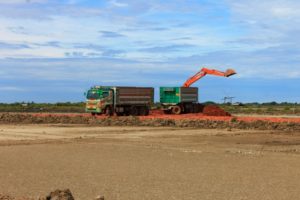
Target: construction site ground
(142,162)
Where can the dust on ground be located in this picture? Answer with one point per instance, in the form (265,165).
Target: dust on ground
(149,162)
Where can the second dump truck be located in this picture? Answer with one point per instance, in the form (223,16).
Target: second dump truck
(177,100)
(111,100)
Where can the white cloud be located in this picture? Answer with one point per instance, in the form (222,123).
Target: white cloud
(21,1)
(268,23)
(259,19)
(268,9)
(118,4)
(11,88)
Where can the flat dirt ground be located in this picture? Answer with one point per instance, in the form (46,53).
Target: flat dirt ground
(134,163)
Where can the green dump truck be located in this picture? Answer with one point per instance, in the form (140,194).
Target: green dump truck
(177,100)
(111,100)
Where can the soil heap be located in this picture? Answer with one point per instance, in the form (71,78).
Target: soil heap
(213,110)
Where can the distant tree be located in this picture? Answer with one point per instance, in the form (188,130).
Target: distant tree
(209,103)
(253,104)
(272,103)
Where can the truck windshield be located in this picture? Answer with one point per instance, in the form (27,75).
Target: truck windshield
(92,95)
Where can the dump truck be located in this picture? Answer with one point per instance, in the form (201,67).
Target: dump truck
(114,100)
(178,100)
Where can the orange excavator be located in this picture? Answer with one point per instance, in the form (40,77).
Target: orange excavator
(204,71)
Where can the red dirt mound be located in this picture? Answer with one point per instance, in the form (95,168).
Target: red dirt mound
(213,110)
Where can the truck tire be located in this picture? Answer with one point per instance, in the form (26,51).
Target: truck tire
(147,111)
(167,112)
(108,111)
(143,111)
(176,110)
(197,108)
(134,111)
(120,113)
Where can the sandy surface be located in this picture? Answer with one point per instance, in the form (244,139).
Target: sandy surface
(134,163)
(266,115)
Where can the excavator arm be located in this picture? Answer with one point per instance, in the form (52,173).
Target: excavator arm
(204,71)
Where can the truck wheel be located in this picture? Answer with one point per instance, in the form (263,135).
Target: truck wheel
(200,107)
(134,111)
(196,108)
(120,114)
(147,111)
(108,111)
(167,112)
(176,110)
(143,111)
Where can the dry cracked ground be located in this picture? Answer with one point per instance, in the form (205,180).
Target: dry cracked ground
(134,163)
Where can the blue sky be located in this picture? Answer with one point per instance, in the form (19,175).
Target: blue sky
(53,50)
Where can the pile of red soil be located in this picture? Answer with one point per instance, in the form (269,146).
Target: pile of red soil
(213,110)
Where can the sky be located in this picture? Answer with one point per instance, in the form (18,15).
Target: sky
(54,50)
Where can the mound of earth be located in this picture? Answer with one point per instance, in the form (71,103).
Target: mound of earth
(213,110)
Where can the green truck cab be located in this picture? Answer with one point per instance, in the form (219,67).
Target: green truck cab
(177,100)
(112,100)
(98,99)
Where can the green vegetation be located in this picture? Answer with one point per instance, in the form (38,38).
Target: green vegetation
(271,108)
(66,107)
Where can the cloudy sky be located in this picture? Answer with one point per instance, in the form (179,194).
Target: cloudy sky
(53,50)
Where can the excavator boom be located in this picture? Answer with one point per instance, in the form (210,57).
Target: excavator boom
(204,71)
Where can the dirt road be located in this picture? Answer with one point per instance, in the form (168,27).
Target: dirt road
(149,163)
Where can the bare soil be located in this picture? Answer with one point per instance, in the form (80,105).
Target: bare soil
(186,120)
(136,163)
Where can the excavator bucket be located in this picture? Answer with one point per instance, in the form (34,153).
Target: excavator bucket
(229,72)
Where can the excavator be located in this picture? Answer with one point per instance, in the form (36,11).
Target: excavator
(204,71)
(178,100)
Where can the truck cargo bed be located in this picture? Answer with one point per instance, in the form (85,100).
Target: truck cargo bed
(175,95)
(134,95)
